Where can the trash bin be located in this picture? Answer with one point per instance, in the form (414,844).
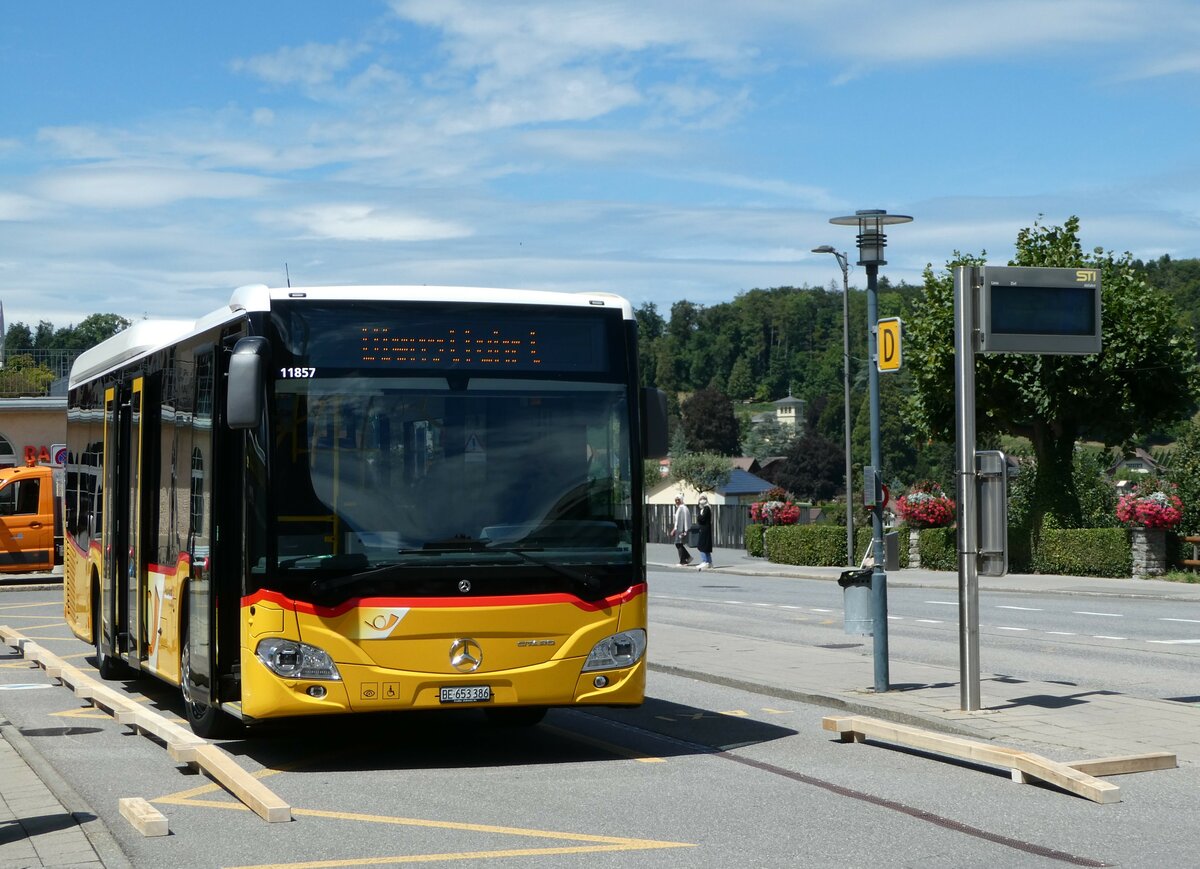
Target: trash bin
(856,595)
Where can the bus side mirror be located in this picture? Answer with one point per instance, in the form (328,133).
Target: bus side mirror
(244,398)
(654,423)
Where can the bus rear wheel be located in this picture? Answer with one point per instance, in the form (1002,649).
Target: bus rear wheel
(206,721)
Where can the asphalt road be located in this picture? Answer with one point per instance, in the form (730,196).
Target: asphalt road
(1142,647)
(701,775)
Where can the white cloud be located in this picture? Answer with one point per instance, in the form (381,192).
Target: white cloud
(362,222)
(144,187)
(17,206)
(309,64)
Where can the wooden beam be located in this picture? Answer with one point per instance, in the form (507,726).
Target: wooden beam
(259,798)
(1126,763)
(182,744)
(146,819)
(1024,766)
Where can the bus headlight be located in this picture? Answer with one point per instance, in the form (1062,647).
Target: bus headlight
(294,660)
(620,650)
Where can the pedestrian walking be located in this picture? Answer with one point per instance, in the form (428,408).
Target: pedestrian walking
(704,517)
(683,521)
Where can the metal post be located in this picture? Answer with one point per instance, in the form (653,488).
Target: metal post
(966,280)
(850,553)
(871,242)
(878,575)
(844,264)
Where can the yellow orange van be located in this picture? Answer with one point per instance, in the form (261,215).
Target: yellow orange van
(27,519)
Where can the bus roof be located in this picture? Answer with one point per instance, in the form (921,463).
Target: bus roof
(147,336)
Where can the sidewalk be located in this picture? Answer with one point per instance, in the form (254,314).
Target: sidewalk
(1053,717)
(36,828)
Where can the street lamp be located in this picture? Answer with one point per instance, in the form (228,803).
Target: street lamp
(871,242)
(845,265)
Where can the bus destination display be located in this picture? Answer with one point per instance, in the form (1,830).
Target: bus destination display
(408,337)
(466,347)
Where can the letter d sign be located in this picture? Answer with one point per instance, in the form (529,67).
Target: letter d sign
(887,357)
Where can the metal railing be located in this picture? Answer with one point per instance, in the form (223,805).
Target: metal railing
(34,372)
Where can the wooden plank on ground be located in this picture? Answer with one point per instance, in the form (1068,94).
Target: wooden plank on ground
(1023,765)
(146,721)
(257,796)
(1126,763)
(146,819)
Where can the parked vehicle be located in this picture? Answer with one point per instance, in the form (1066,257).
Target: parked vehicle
(30,534)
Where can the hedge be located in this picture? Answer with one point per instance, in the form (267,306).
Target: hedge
(939,548)
(753,536)
(1066,552)
(811,545)
(1084,552)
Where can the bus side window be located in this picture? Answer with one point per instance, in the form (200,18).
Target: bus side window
(8,500)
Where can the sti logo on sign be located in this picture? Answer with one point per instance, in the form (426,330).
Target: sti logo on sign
(888,348)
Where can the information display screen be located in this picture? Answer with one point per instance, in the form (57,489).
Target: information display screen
(1039,310)
(1016,310)
(405,336)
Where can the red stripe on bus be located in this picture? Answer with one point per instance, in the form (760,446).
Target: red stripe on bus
(433,602)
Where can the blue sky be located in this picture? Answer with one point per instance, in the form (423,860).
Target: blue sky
(154,155)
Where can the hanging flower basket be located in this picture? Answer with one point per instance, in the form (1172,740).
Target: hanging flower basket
(774,513)
(926,506)
(1152,504)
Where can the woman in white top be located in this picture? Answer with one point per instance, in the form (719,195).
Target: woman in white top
(683,521)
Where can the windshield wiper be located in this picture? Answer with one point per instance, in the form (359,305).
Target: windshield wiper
(591,585)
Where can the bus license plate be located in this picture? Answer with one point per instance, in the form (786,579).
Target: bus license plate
(467,694)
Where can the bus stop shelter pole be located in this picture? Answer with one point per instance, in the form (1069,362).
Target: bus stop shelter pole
(966,279)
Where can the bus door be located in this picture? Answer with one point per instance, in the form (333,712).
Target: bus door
(111,536)
(120,599)
(202,597)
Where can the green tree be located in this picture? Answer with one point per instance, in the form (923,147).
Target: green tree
(1185,472)
(741,380)
(709,424)
(705,472)
(814,469)
(1143,378)
(651,328)
(21,376)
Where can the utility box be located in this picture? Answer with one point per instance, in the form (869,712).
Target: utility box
(856,601)
(991,482)
(891,551)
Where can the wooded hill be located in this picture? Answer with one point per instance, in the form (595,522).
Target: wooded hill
(767,343)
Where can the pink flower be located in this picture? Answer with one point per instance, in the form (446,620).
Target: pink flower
(926,507)
(1153,504)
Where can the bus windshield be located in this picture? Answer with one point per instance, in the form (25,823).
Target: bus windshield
(387,483)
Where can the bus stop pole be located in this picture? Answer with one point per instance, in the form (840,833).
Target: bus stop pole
(966,279)
(879,604)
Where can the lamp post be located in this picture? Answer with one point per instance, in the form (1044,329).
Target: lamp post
(845,265)
(871,242)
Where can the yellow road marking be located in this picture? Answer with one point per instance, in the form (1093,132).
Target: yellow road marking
(82,712)
(771,711)
(737,713)
(632,845)
(57,624)
(19,665)
(24,606)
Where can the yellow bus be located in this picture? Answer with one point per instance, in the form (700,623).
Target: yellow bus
(358,499)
